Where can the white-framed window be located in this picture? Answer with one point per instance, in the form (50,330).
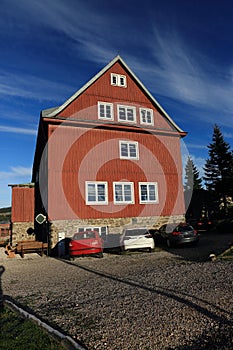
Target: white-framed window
(118,80)
(105,110)
(129,150)
(148,192)
(96,192)
(126,113)
(146,116)
(102,230)
(123,192)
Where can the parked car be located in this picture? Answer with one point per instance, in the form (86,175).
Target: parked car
(86,243)
(136,238)
(226,226)
(202,224)
(177,234)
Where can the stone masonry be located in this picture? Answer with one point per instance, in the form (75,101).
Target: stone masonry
(115,226)
(22,231)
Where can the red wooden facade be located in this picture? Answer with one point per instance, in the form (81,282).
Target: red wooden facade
(81,148)
(23,203)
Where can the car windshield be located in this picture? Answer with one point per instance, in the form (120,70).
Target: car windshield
(136,232)
(84,235)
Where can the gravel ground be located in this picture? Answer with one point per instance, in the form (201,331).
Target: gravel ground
(138,301)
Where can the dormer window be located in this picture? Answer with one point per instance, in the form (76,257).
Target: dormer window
(118,80)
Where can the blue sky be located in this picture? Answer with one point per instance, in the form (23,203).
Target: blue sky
(182,51)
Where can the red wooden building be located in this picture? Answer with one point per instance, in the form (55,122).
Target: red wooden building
(109,156)
(22,212)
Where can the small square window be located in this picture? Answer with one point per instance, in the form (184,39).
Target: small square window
(118,80)
(126,113)
(129,150)
(148,192)
(96,193)
(123,193)
(105,110)
(146,116)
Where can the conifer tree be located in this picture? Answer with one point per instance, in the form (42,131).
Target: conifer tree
(192,189)
(219,168)
(192,177)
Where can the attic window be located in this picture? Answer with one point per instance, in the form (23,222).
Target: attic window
(126,113)
(146,116)
(105,110)
(118,80)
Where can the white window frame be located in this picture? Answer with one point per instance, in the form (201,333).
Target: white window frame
(148,200)
(126,112)
(123,184)
(128,143)
(118,80)
(147,110)
(97,202)
(102,230)
(105,104)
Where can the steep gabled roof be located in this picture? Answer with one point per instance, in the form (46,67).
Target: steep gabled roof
(52,112)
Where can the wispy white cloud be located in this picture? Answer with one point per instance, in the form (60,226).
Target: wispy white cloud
(228,135)
(195,146)
(169,68)
(15,173)
(31,87)
(77,21)
(178,72)
(11,129)
(20,171)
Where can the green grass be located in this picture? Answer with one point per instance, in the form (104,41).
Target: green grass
(18,333)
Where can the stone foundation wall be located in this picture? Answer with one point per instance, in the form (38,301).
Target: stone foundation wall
(69,227)
(22,231)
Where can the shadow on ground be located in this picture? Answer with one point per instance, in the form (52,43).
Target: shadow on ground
(212,338)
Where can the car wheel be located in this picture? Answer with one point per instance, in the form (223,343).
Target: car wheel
(100,255)
(122,250)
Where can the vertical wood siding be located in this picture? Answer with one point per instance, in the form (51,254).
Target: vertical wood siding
(22,204)
(77,155)
(85,106)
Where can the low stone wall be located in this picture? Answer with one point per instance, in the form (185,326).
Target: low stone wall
(69,227)
(22,231)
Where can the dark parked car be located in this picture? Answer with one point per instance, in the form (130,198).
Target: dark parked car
(202,224)
(225,226)
(86,243)
(178,234)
